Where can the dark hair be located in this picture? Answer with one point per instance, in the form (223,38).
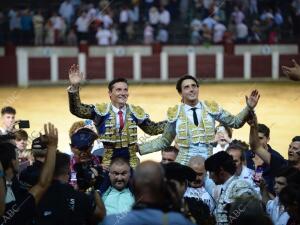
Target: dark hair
(290,195)
(296,139)
(117,80)
(220,160)
(185,77)
(62,164)
(171,149)
(120,160)
(239,145)
(21,134)
(7,154)
(290,173)
(228,129)
(8,110)
(262,128)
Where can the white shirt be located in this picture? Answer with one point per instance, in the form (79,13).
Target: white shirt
(124,16)
(116,111)
(164,17)
(189,112)
(241,30)
(247,175)
(196,24)
(276,211)
(201,194)
(219,148)
(219,30)
(66,10)
(107,21)
(82,24)
(210,22)
(153,17)
(238,17)
(103,36)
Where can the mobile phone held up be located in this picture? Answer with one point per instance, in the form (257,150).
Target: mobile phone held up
(24,124)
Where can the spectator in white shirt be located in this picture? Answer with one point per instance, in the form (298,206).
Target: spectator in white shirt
(238,16)
(107,20)
(241,33)
(164,16)
(66,10)
(196,26)
(163,35)
(154,18)
(209,22)
(103,36)
(237,150)
(82,23)
(196,188)
(38,25)
(148,34)
(58,24)
(219,30)
(123,22)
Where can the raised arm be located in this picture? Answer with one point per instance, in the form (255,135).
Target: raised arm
(292,73)
(237,121)
(76,107)
(47,172)
(162,142)
(153,128)
(255,145)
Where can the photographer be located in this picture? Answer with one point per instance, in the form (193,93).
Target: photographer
(62,204)
(82,161)
(30,175)
(20,204)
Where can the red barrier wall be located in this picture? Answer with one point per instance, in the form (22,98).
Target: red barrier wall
(39,68)
(8,72)
(261,66)
(178,66)
(150,66)
(95,68)
(123,67)
(205,66)
(233,66)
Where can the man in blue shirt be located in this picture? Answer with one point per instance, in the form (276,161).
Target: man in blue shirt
(255,162)
(118,198)
(150,196)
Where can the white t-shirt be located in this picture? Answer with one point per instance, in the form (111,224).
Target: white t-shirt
(82,24)
(276,211)
(219,30)
(241,30)
(103,36)
(107,21)
(164,17)
(124,16)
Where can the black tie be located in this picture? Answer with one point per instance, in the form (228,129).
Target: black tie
(195,116)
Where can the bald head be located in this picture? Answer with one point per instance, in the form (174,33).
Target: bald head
(148,181)
(197,164)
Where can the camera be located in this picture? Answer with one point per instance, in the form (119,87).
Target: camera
(86,175)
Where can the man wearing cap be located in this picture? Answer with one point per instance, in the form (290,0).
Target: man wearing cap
(193,122)
(30,175)
(117,121)
(82,143)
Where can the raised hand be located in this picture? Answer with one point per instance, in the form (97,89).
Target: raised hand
(75,76)
(252,100)
(51,135)
(292,73)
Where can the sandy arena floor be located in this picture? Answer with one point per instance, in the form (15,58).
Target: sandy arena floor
(279,106)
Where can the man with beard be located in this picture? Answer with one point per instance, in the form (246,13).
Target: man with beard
(118,198)
(276,163)
(117,121)
(193,122)
(196,188)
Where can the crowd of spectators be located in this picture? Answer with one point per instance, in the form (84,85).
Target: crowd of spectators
(240,183)
(107,22)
